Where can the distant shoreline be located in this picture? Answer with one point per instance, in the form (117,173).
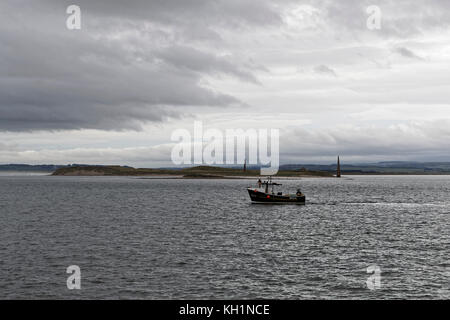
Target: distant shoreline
(199,172)
(210,172)
(211,177)
(343,177)
(393,168)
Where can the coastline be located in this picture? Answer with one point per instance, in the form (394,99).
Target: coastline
(199,172)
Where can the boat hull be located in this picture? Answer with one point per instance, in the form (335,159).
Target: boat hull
(267,198)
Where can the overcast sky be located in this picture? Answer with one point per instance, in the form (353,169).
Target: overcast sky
(114,91)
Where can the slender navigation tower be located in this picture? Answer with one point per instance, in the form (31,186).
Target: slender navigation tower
(338,170)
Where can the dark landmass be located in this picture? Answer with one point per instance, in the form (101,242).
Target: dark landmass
(29,168)
(49,168)
(380,168)
(200,172)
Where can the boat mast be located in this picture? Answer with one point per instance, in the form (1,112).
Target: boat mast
(338,170)
(266,190)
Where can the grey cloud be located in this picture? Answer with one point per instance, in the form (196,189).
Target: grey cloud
(139,61)
(182,57)
(407,140)
(117,72)
(405,52)
(219,13)
(323,69)
(415,140)
(400,18)
(136,156)
(5,147)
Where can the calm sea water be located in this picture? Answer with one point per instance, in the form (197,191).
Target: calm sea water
(153,239)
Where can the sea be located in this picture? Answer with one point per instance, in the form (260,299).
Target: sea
(358,237)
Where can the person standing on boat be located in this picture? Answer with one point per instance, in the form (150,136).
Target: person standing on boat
(259,183)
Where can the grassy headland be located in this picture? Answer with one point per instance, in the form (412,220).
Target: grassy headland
(194,172)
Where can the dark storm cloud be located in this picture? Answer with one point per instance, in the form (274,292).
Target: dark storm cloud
(130,63)
(186,58)
(138,61)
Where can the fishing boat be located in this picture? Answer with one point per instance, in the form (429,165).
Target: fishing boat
(265,193)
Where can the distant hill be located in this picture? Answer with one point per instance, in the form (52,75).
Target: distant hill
(39,168)
(29,168)
(387,167)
